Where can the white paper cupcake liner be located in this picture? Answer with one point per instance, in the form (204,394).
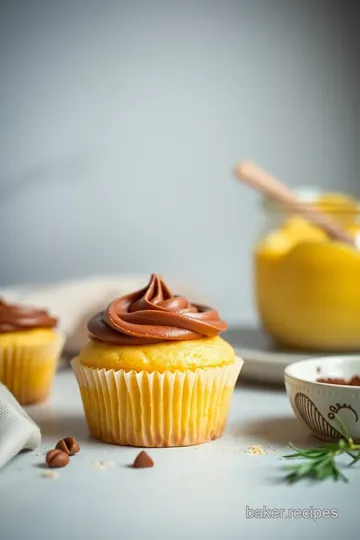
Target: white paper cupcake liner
(156,409)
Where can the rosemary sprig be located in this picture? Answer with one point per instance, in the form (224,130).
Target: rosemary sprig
(320,463)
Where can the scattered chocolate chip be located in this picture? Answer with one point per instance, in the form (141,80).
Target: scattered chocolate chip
(56,458)
(68,445)
(143,461)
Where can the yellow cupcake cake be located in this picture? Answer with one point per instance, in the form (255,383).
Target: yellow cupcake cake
(29,350)
(156,373)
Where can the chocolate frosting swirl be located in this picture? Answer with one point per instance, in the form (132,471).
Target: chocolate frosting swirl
(154,314)
(14,318)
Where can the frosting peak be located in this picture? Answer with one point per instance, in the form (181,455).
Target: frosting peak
(15,318)
(154,314)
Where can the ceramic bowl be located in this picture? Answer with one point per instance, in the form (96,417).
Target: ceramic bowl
(319,405)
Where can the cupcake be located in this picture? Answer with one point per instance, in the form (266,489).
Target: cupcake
(29,350)
(155,372)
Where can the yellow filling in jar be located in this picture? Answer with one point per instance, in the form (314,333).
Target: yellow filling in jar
(307,286)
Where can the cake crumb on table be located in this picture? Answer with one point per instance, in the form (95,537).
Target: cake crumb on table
(272,450)
(256,450)
(103,465)
(50,474)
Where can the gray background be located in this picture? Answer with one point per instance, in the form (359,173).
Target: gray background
(120,123)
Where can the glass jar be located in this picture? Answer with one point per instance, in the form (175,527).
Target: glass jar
(307,287)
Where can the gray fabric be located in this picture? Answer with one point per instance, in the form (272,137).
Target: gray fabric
(17,430)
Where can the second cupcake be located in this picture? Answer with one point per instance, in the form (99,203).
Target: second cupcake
(29,349)
(155,372)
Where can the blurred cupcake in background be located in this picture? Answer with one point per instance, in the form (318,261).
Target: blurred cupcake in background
(29,350)
(156,373)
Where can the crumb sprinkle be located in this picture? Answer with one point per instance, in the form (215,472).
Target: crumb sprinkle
(272,450)
(50,474)
(256,450)
(103,465)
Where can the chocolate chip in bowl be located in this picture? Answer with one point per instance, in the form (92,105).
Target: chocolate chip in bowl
(354,381)
(328,402)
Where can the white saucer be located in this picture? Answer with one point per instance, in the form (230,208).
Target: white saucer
(263,361)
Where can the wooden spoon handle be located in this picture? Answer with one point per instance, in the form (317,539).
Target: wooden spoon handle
(267,184)
(255,177)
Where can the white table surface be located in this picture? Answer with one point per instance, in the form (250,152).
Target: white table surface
(191,493)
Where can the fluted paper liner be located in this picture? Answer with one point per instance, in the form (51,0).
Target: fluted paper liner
(156,409)
(28,370)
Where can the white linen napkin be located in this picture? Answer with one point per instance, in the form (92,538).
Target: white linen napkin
(17,430)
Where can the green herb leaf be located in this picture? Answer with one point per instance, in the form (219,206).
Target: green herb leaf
(339,425)
(356,457)
(320,462)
